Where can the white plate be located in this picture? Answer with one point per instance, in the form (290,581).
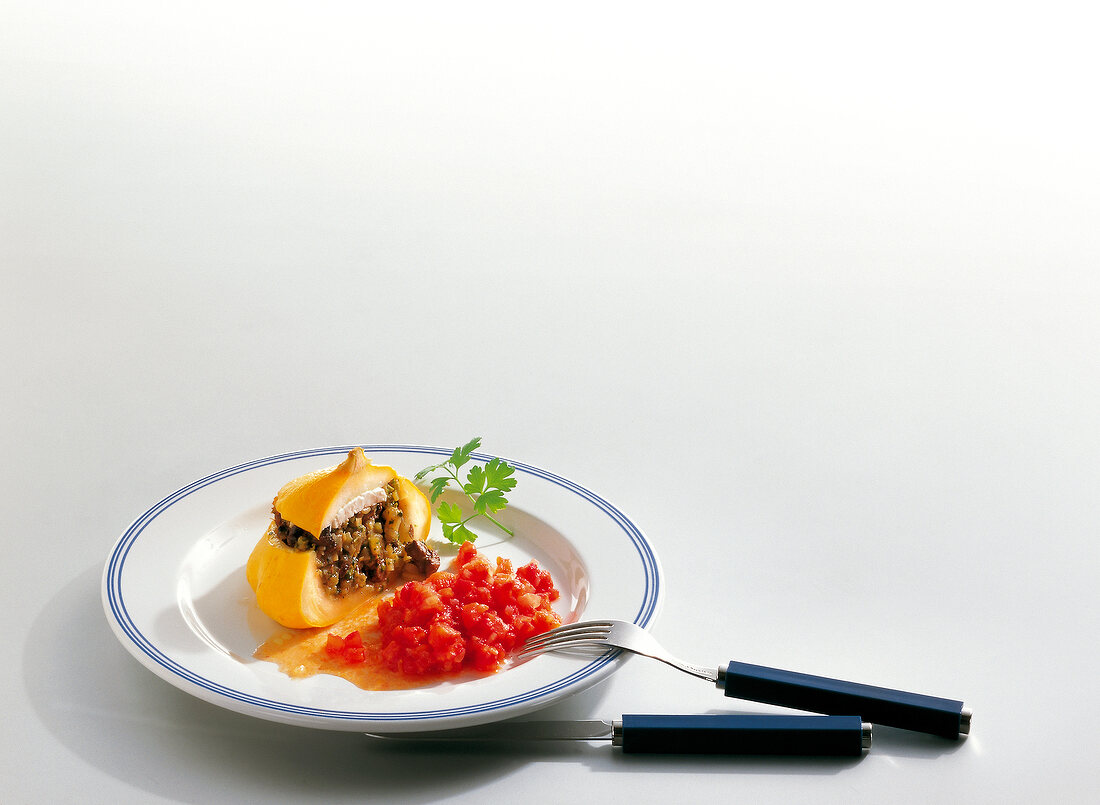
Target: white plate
(175,594)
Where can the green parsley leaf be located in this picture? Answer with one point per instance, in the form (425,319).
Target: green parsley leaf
(491,500)
(438,485)
(500,475)
(462,454)
(424,473)
(475,481)
(449,513)
(462,534)
(485,487)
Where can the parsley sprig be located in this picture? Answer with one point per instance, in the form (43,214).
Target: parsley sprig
(485,486)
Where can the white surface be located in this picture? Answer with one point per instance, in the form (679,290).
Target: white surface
(176,596)
(808,290)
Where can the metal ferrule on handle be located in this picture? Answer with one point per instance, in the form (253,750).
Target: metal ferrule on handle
(743,734)
(818,694)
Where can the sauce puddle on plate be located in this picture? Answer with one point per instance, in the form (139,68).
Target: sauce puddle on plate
(300,653)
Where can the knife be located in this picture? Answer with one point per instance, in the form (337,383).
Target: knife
(679,734)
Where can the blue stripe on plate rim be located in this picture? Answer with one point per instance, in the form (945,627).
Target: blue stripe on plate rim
(647,609)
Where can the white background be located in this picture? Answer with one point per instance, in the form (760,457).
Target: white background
(810,291)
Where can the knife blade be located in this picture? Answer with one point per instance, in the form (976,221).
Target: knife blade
(679,734)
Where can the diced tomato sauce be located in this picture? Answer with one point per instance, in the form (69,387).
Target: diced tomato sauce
(467,618)
(350,648)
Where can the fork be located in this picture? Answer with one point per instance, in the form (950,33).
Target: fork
(895,708)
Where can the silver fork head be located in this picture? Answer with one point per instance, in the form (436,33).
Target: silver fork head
(582,633)
(610,634)
(576,627)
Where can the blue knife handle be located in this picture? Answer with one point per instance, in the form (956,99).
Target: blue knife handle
(743,734)
(818,694)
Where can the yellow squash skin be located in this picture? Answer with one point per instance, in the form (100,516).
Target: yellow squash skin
(416,520)
(310,500)
(286,582)
(288,587)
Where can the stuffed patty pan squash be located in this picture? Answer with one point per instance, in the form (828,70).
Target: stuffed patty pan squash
(338,536)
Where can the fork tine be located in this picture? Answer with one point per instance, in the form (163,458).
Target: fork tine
(597,645)
(583,628)
(565,640)
(550,645)
(572,627)
(588,649)
(575,634)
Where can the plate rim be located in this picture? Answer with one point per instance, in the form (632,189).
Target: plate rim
(150,655)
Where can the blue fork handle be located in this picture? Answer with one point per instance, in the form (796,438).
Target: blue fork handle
(818,694)
(743,734)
